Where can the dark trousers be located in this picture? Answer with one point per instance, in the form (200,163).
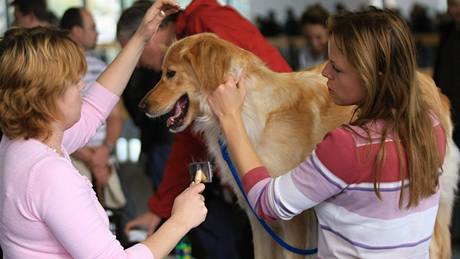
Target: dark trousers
(225,234)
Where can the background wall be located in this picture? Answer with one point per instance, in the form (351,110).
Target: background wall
(261,7)
(106,11)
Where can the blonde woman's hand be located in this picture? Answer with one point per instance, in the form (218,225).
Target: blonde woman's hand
(189,209)
(228,98)
(154,16)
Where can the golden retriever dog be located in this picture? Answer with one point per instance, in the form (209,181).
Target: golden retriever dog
(285,114)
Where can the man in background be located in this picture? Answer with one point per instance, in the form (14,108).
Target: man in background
(224,233)
(155,137)
(29,14)
(95,159)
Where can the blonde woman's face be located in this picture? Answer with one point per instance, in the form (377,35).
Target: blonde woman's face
(343,80)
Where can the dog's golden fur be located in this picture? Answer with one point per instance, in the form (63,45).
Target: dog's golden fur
(285,115)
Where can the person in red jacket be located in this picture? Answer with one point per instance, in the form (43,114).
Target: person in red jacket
(200,16)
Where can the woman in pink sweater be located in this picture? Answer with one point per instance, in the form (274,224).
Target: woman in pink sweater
(47,209)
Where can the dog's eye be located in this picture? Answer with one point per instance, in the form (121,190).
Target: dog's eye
(170,73)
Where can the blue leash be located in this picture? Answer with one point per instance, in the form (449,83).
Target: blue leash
(223,150)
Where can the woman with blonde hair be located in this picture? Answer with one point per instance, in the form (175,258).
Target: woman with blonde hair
(47,209)
(374,182)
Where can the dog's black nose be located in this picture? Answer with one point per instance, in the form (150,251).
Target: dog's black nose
(142,104)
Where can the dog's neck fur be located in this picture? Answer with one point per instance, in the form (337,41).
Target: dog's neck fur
(254,121)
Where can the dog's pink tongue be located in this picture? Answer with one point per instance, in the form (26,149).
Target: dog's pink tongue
(171,120)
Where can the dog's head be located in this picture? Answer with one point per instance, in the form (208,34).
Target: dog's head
(192,68)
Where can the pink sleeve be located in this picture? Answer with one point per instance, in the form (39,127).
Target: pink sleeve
(254,176)
(338,153)
(303,187)
(66,203)
(97,104)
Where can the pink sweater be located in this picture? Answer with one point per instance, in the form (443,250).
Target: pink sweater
(47,209)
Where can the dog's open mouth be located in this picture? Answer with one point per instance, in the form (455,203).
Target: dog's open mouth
(177,114)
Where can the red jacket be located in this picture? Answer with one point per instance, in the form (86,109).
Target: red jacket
(227,23)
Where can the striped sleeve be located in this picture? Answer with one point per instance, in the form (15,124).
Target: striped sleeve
(338,154)
(302,188)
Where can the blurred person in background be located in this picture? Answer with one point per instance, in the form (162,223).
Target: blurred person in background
(29,14)
(155,137)
(224,234)
(315,33)
(95,160)
(420,22)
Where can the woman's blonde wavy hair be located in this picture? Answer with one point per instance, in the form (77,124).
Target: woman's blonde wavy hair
(378,43)
(37,65)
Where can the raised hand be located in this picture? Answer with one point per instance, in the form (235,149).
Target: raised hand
(152,19)
(228,98)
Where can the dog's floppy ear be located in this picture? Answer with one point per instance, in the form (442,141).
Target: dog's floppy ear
(210,59)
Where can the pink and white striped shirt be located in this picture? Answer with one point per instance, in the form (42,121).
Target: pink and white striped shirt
(47,209)
(337,181)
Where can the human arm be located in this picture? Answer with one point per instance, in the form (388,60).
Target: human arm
(187,147)
(113,80)
(96,158)
(65,202)
(181,221)
(100,166)
(117,74)
(114,126)
(226,103)
(97,104)
(84,154)
(285,196)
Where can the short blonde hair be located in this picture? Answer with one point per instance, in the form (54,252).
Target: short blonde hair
(37,66)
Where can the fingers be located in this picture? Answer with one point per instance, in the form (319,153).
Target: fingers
(233,84)
(159,10)
(230,82)
(197,188)
(242,87)
(129,226)
(164,8)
